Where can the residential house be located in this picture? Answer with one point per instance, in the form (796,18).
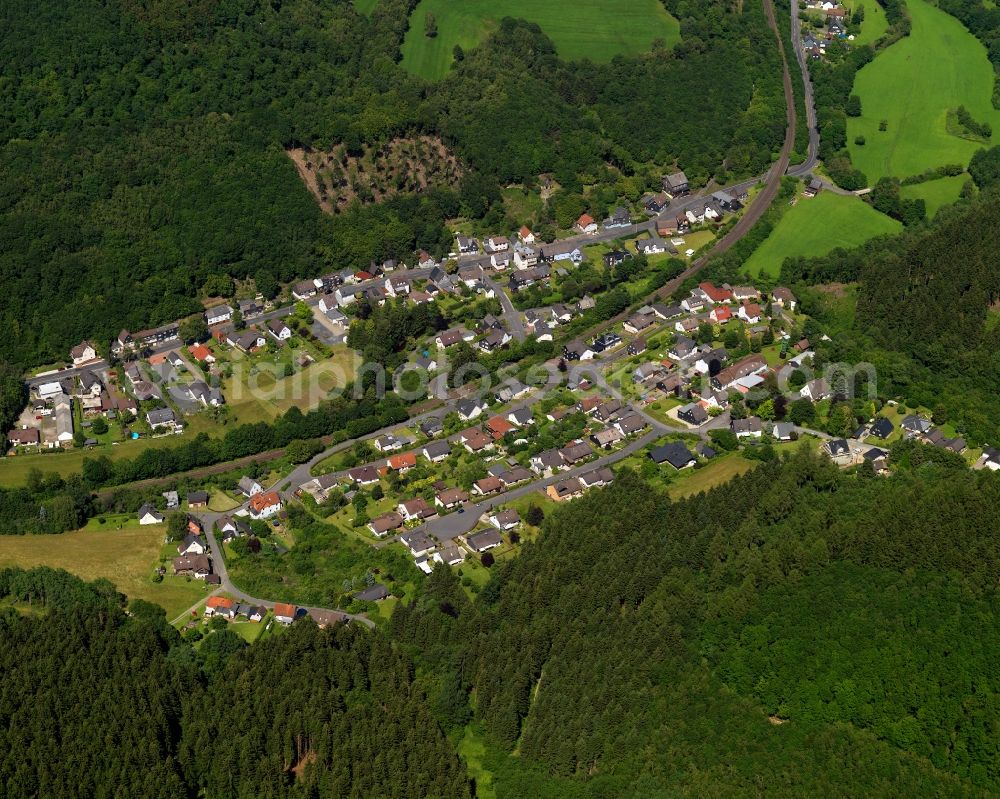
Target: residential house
(498,244)
(783,431)
(363,475)
(637,346)
(682,348)
(501,260)
(487,485)
(249,487)
(816,390)
(437,451)
(577,351)
(561,251)
(630,424)
(25,437)
(751,427)
(704,450)
(655,203)
(449,555)
(197,499)
(494,340)
(750,365)
(148,514)
(674,453)
(676,184)
(606,411)
(575,453)
(415,509)
(402,462)
(605,341)
(513,476)
(711,361)
(693,414)
(521,417)
(466,245)
(161,417)
(597,478)
(547,462)
(387,443)
(915,426)
(279,330)
(386,523)
(639,322)
(586,224)
(783,298)
(750,312)
(712,294)
(218,314)
(512,389)
(285,613)
(505,520)
(498,427)
(525,235)
(470,408)
(197,566)
(451,498)
(882,428)
(654,245)
(373,593)
(475,440)
(419,543)
(620,217)
(565,489)
(484,540)
(265,505)
(613,258)
(83,352)
(247,341)
(220,606)
(720,314)
(201,353)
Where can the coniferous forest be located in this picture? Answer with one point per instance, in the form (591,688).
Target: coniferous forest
(800,631)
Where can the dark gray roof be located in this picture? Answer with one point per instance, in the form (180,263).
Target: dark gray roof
(674,453)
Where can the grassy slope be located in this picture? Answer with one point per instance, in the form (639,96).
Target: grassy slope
(875,23)
(936,193)
(595,30)
(127,557)
(815,227)
(912,85)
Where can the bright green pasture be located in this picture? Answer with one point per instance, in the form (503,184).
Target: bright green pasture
(936,193)
(596,29)
(911,86)
(817,225)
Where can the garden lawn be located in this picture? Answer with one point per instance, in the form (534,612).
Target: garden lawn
(936,193)
(911,85)
(598,30)
(127,557)
(817,225)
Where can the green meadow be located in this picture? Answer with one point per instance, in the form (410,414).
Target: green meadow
(817,225)
(598,29)
(911,86)
(936,193)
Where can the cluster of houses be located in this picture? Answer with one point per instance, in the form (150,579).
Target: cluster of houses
(284,613)
(815,41)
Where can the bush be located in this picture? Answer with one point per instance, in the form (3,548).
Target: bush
(859,140)
(487,559)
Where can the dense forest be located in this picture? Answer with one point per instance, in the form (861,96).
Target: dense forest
(924,314)
(142,145)
(97,702)
(622,650)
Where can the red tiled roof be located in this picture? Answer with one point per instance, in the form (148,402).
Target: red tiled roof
(219,602)
(260,501)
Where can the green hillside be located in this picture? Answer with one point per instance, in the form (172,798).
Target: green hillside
(595,30)
(911,86)
(817,225)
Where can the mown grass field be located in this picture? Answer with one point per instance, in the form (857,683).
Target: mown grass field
(817,225)
(911,86)
(875,24)
(936,193)
(598,29)
(126,556)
